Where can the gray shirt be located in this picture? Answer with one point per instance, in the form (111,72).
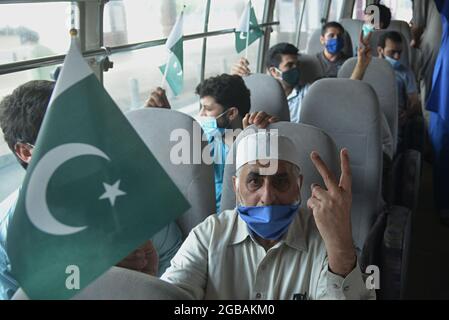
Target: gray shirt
(331,68)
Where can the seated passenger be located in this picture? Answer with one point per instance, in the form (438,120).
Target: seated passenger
(370,21)
(332,57)
(267,248)
(225,105)
(410,129)
(21,115)
(282,64)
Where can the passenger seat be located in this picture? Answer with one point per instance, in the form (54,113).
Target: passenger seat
(161,130)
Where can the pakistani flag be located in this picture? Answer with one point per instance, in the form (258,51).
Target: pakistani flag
(174,73)
(92,194)
(248,25)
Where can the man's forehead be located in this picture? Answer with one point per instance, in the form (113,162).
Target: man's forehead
(208,101)
(392,44)
(286,58)
(257,166)
(333,30)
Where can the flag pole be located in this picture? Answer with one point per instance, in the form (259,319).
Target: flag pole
(248,31)
(164,78)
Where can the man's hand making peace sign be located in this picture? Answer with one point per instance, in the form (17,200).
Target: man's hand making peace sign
(331,208)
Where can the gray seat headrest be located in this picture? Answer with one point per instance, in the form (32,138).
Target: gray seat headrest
(162,131)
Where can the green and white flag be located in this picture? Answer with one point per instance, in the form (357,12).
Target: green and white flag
(92,194)
(248,25)
(174,73)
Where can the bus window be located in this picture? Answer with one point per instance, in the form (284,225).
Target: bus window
(221,53)
(136,73)
(359,9)
(400,10)
(27,33)
(287,12)
(312,21)
(335,10)
(130,21)
(227,14)
(139,69)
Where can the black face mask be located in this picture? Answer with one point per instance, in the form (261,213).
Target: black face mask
(291,77)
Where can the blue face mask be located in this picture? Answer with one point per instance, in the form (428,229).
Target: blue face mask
(394,63)
(269,222)
(335,45)
(367,29)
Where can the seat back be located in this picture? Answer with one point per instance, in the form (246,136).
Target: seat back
(380,75)
(401,27)
(306,139)
(123,284)
(405,56)
(310,69)
(353,27)
(348,111)
(267,95)
(164,131)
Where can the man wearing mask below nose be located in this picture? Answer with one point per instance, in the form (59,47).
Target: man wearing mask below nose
(370,22)
(266,248)
(410,130)
(282,64)
(225,105)
(332,57)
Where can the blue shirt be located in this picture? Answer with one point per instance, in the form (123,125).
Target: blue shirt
(294,102)
(219,153)
(166,242)
(406,85)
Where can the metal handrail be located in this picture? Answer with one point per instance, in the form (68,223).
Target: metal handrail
(105,51)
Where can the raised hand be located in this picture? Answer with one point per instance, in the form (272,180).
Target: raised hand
(241,68)
(331,209)
(364,57)
(158,99)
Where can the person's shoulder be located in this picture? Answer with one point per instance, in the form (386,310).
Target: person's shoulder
(219,221)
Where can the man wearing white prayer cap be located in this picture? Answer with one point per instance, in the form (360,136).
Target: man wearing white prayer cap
(267,248)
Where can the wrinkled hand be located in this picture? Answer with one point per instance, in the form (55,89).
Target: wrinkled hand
(260,119)
(241,68)
(331,208)
(158,99)
(144,259)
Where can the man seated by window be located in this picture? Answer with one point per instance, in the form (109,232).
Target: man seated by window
(21,115)
(267,248)
(225,105)
(332,57)
(282,64)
